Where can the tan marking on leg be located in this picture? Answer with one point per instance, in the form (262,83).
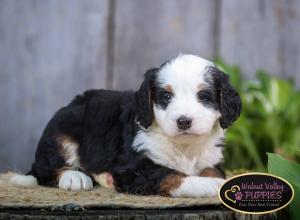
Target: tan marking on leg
(171,183)
(68,149)
(211,172)
(60,171)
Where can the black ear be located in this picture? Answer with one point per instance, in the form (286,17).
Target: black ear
(145,114)
(229,100)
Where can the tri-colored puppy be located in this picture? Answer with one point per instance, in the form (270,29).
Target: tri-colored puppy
(157,140)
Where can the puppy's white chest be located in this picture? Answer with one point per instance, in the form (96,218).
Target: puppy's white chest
(184,164)
(192,159)
(189,158)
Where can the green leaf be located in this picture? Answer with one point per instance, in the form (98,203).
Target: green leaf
(290,171)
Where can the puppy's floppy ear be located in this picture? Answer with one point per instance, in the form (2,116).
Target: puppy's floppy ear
(145,113)
(228,98)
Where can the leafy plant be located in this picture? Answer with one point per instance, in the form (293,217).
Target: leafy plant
(290,171)
(270,120)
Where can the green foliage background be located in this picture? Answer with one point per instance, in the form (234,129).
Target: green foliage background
(270,121)
(289,171)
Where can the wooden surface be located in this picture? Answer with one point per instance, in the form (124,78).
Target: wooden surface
(148,33)
(251,35)
(12,196)
(51,50)
(207,213)
(261,34)
(101,203)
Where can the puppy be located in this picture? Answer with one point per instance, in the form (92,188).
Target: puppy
(157,140)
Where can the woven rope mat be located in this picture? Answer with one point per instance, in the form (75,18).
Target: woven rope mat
(39,197)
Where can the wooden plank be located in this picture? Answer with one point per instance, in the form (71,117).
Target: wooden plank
(147,33)
(258,34)
(93,213)
(289,16)
(103,203)
(250,36)
(49,51)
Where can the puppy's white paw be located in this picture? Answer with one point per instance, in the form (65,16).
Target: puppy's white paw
(75,181)
(212,187)
(194,186)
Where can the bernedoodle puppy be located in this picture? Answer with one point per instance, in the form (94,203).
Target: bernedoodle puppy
(165,139)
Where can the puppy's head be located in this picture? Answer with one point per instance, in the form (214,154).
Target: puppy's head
(187,95)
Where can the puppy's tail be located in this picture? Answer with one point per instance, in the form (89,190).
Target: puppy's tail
(27,180)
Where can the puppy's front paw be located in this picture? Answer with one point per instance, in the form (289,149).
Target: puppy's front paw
(75,181)
(212,186)
(194,186)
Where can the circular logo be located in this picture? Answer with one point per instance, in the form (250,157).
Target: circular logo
(256,193)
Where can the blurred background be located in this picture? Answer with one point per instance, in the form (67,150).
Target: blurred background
(51,50)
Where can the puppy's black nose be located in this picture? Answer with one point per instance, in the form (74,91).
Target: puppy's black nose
(184,123)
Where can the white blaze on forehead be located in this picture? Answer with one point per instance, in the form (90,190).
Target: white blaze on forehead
(184,71)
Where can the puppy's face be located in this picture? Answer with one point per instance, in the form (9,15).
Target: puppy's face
(184,99)
(189,95)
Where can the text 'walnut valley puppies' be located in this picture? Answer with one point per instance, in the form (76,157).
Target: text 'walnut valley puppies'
(166,138)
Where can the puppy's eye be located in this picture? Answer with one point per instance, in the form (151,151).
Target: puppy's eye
(167,96)
(205,95)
